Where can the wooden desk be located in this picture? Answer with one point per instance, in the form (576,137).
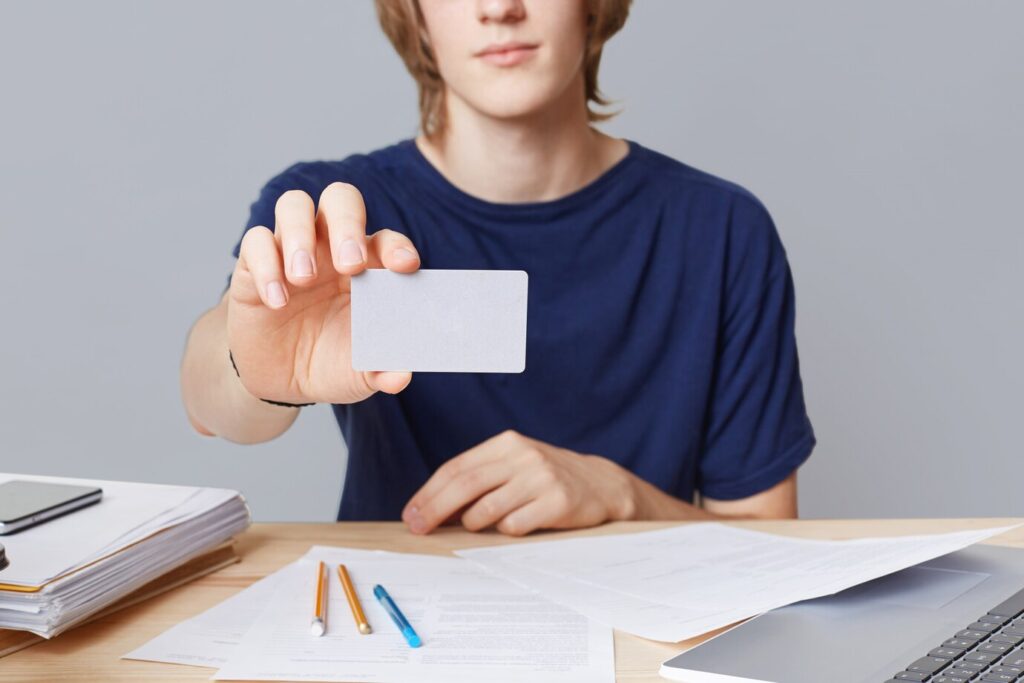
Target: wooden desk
(91,653)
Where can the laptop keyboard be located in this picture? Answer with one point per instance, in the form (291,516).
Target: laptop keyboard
(990,650)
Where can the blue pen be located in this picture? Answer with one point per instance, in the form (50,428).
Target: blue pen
(396,616)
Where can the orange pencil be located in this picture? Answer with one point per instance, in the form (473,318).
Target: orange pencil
(353,601)
(319,624)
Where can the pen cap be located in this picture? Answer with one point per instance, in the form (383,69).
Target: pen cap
(411,637)
(379,592)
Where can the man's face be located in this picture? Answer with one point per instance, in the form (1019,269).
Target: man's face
(507,58)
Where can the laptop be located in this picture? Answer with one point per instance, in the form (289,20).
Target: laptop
(954,619)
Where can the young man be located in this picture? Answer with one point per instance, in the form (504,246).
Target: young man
(661,359)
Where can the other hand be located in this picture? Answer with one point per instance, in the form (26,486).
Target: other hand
(518,485)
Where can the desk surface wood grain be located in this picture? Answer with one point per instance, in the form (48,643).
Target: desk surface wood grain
(92,652)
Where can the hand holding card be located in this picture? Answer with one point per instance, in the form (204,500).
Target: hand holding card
(298,290)
(439,321)
(287,310)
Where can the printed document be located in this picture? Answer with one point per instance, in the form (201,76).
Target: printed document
(677,583)
(474,627)
(208,639)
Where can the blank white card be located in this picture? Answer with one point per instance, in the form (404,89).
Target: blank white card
(439,321)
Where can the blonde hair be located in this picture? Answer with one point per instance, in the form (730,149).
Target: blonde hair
(403,24)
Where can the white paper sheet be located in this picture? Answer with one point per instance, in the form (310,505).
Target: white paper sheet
(208,639)
(474,627)
(677,583)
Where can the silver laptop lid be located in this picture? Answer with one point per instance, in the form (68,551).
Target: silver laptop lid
(866,633)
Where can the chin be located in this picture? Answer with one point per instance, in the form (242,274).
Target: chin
(511,110)
(514,101)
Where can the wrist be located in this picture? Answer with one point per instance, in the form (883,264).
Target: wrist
(623,498)
(634,499)
(280,404)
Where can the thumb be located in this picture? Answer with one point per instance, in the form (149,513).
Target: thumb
(388,382)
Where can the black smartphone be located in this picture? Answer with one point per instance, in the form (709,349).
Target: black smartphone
(24,504)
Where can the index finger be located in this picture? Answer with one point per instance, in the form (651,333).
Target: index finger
(478,455)
(341,216)
(461,491)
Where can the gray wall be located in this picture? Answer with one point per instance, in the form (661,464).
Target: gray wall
(885,138)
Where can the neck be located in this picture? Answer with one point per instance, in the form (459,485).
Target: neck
(534,158)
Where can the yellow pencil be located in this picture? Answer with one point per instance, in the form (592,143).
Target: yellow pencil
(353,601)
(319,624)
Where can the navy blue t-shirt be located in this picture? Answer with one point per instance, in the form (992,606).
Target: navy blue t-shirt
(660,330)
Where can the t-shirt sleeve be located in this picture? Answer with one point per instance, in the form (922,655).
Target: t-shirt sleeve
(757,431)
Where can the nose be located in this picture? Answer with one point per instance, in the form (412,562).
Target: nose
(500,11)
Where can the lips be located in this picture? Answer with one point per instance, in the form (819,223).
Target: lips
(507,54)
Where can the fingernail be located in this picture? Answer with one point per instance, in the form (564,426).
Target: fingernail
(416,523)
(403,254)
(351,254)
(302,264)
(275,295)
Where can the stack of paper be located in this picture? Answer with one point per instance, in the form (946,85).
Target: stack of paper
(69,568)
(474,627)
(677,583)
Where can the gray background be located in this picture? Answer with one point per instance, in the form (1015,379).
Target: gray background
(885,137)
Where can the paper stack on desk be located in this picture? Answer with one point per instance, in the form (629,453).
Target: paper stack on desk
(67,569)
